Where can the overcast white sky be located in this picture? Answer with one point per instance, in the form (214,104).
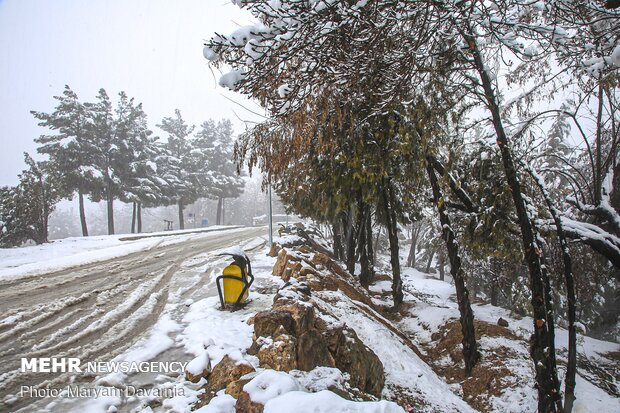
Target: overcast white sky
(152,49)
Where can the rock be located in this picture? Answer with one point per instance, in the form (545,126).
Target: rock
(195,378)
(198,368)
(246,405)
(501,322)
(321,283)
(224,373)
(305,249)
(306,271)
(331,265)
(341,278)
(273,251)
(280,264)
(236,387)
(353,357)
(279,354)
(264,387)
(301,340)
(312,351)
(296,334)
(292,269)
(303,314)
(266,323)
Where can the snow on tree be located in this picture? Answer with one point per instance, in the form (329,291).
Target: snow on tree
(382,53)
(26,208)
(70,147)
(214,144)
(180,163)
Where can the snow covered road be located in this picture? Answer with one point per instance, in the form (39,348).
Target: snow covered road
(95,311)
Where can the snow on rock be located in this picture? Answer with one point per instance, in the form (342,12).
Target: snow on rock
(320,378)
(222,403)
(326,402)
(198,365)
(270,384)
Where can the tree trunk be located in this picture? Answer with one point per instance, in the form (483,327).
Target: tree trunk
(430,261)
(599,174)
(571,365)
(362,245)
(348,224)
(441,265)
(551,325)
(470,348)
(337,238)
(411,257)
(369,247)
(46,212)
(133,218)
(218,219)
(139,213)
(376,246)
(181,221)
(110,207)
(82,213)
(390,217)
(549,399)
(494,290)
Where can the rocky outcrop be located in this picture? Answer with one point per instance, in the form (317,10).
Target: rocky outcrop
(295,334)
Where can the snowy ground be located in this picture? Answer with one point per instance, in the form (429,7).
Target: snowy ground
(189,328)
(69,252)
(190,323)
(99,310)
(192,329)
(434,306)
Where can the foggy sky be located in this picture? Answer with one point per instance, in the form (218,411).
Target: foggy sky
(152,49)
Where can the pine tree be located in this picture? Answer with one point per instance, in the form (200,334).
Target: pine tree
(26,208)
(69,149)
(214,144)
(180,162)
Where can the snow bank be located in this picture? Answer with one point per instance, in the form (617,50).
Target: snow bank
(326,402)
(222,403)
(280,392)
(270,384)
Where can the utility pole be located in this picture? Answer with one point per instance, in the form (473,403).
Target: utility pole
(270,218)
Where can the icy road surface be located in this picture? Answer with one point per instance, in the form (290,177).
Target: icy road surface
(95,311)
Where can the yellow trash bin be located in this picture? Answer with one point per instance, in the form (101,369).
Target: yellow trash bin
(234,284)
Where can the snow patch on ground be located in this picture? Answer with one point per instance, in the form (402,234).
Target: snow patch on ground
(403,368)
(326,402)
(434,305)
